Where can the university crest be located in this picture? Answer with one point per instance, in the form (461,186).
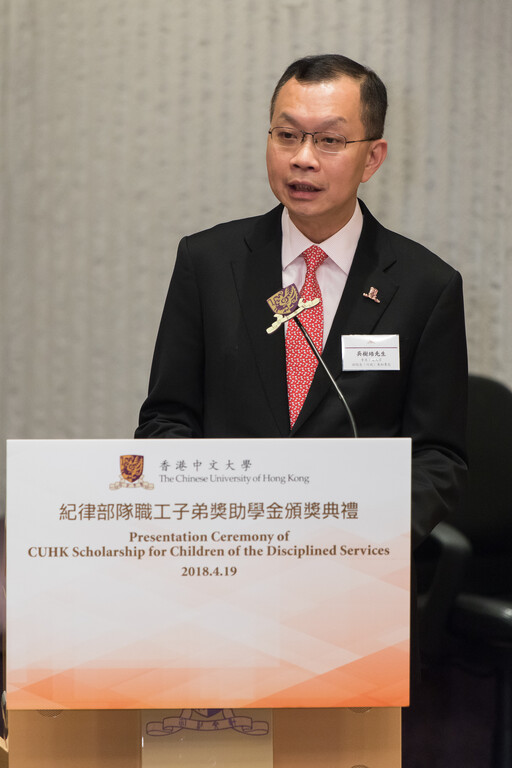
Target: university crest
(208,720)
(132,467)
(286,304)
(285,301)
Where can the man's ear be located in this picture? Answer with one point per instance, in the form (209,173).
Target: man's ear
(376,156)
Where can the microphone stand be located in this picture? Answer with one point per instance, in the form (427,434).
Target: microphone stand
(322,363)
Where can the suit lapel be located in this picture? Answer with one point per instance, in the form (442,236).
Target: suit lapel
(260,275)
(355,313)
(257,277)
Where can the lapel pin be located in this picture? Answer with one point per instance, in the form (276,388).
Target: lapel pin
(372,294)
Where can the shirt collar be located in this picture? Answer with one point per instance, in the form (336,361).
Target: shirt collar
(340,247)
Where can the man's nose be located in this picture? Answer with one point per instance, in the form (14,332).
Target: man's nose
(306,153)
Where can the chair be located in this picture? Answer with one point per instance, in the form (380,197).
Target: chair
(465,611)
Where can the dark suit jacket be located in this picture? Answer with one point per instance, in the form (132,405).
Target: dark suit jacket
(216,372)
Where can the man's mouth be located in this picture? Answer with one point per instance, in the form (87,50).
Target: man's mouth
(299,187)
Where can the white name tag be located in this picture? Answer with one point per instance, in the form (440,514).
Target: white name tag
(371,353)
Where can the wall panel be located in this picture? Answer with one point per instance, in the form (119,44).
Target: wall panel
(126,124)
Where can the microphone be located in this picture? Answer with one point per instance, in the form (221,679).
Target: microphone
(287,305)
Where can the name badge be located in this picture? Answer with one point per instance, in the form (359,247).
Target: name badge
(371,353)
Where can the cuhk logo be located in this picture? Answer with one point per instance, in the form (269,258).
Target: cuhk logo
(132,467)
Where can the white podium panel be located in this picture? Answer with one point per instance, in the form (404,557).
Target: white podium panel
(214,573)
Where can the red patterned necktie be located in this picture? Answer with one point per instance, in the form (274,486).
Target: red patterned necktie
(300,361)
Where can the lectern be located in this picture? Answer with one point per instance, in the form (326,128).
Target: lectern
(213,602)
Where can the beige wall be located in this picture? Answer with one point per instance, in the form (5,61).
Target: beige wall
(128,123)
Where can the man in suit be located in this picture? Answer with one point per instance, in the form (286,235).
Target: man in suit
(217,373)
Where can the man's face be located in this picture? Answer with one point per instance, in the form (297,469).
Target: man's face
(320,189)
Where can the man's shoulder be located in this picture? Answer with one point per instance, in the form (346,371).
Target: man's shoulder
(417,255)
(262,226)
(407,254)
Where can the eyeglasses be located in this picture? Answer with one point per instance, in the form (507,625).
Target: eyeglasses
(292,138)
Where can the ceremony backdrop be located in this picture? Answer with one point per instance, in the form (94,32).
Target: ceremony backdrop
(126,124)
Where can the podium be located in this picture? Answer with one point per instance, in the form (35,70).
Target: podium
(185,600)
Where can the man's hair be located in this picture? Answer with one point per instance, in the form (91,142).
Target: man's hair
(330,66)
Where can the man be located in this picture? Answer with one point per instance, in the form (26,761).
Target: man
(217,373)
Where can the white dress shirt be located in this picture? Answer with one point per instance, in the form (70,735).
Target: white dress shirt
(333,272)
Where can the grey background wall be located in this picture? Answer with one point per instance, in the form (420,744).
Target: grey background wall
(128,123)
